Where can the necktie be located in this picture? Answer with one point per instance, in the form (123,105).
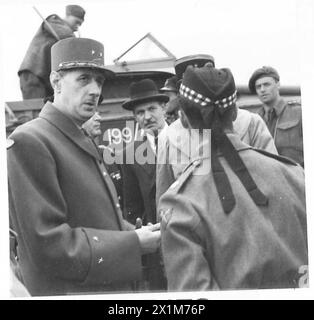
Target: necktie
(268,116)
(156,143)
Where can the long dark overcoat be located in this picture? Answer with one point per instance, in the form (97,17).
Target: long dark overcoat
(63,205)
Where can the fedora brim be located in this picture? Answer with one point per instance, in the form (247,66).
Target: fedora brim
(130,104)
(167,89)
(106,72)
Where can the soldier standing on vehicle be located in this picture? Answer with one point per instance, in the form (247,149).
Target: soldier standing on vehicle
(283,119)
(35,69)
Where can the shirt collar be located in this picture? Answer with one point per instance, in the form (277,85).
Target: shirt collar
(278,107)
(143,132)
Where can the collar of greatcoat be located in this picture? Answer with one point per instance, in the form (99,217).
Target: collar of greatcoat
(68,127)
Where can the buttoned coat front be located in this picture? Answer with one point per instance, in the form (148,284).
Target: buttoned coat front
(288,132)
(139,182)
(71,234)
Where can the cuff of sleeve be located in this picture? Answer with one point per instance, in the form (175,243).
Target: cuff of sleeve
(115,257)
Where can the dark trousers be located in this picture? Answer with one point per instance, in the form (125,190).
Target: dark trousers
(154,272)
(33,87)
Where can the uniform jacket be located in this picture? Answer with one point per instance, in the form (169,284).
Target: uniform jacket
(251,247)
(38,57)
(63,205)
(175,154)
(288,133)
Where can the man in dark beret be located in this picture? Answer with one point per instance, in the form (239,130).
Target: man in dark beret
(283,118)
(35,68)
(230,221)
(72,237)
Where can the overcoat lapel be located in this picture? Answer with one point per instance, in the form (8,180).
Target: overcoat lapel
(69,128)
(72,131)
(149,168)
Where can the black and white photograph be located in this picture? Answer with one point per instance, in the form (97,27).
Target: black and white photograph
(157,149)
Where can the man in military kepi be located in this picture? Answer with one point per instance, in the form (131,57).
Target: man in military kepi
(72,237)
(225,224)
(283,118)
(35,68)
(196,60)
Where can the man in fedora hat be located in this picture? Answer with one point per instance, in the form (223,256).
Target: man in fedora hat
(35,68)
(225,224)
(283,118)
(139,177)
(72,237)
(177,145)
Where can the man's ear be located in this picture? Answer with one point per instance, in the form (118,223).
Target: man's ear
(55,81)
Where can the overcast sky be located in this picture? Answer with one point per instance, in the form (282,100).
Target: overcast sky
(242,35)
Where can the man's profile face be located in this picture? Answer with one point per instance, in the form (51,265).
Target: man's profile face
(74,22)
(93,125)
(267,89)
(150,116)
(79,92)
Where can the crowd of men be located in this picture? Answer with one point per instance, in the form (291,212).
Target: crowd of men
(214,197)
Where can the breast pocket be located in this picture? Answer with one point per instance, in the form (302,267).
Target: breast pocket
(289,140)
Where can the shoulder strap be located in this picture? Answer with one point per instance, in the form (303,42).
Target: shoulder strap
(276,157)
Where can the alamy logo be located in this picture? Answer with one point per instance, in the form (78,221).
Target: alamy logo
(130,146)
